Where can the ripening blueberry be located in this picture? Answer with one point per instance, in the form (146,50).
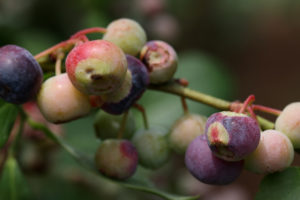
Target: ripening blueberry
(274,153)
(96,67)
(288,122)
(126,34)
(133,87)
(152,147)
(232,136)
(161,61)
(116,159)
(185,130)
(20,75)
(208,168)
(107,125)
(59,101)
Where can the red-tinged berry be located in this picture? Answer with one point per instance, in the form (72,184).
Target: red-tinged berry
(232,136)
(126,34)
(161,61)
(96,67)
(20,75)
(116,159)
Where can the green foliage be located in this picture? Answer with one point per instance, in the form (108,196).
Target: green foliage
(283,185)
(12,183)
(8,114)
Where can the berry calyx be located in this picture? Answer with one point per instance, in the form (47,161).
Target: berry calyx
(20,75)
(96,67)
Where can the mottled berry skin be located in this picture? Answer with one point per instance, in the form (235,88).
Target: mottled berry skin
(59,101)
(96,67)
(185,130)
(140,80)
(20,75)
(274,153)
(161,61)
(126,34)
(288,122)
(116,159)
(107,125)
(152,147)
(206,167)
(232,136)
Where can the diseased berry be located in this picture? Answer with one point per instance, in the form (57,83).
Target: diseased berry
(116,159)
(139,81)
(20,75)
(206,167)
(185,130)
(126,34)
(274,153)
(107,125)
(59,101)
(152,147)
(96,67)
(288,122)
(161,61)
(232,136)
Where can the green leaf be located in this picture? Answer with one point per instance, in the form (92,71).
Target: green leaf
(12,184)
(136,182)
(8,115)
(283,185)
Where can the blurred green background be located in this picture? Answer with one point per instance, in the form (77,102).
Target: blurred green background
(228,49)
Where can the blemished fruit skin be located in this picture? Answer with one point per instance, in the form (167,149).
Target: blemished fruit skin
(161,61)
(185,130)
(139,83)
(20,75)
(96,67)
(232,136)
(107,126)
(116,159)
(59,101)
(152,147)
(288,122)
(126,34)
(206,167)
(274,153)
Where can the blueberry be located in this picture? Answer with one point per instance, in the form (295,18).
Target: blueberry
(139,82)
(20,75)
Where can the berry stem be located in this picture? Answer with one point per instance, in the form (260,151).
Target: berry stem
(87,31)
(175,88)
(247,103)
(59,58)
(184,105)
(143,111)
(266,109)
(123,125)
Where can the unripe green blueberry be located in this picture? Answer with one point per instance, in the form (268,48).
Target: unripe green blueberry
(152,147)
(274,153)
(59,101)
(185,130)
(161,61)
(116,159)
(288,122)
(107,125)
(96,67)
(126,34)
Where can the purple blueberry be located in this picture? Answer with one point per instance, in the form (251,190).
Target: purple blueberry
(139,81)
(20,75)
(232,136)
(116,159)
(206,167)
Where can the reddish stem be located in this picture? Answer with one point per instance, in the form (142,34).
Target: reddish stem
(247,102)
(252,114)
(87,31)
(184,105)
(266,109)
(123,125)
(183,82)
(143,111)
